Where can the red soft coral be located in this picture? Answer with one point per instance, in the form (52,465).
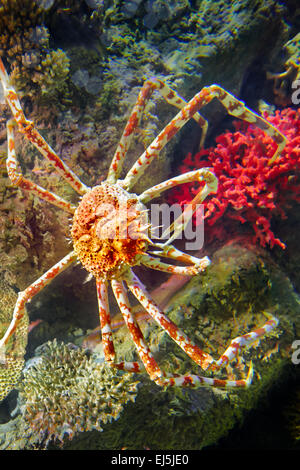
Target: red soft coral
(249,189)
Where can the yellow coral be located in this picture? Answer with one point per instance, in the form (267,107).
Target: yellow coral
(24,44)
(18,18)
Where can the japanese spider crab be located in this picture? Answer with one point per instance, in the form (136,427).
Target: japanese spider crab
(109,259)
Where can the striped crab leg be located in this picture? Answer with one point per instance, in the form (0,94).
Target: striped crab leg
(194,381)
(143,349)
(150,364)
(234,107)
(106,331)
(171,96)
(169,251)
(203,175)
(18,180)
(201,358)
(26,296)
(26,127)
(245,340)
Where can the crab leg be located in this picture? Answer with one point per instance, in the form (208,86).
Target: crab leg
(143,349)
(201,175)
(106,331)
(169,251)
(154,263)
(192,380)
(18,180)
(105,321)
(201,358)
(26,127)
(238,109)
(245,340)
(149,362)
(26,296)
(234,107)
(133,122)
(172,97)
(151,366)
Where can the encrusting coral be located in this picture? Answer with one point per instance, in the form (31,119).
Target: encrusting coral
(249,189)
(11,367)
(67,392)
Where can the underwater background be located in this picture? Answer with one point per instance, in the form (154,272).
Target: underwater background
(78,66)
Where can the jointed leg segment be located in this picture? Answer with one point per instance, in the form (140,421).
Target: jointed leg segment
(187,111)
(169,251)
(200,357)
(147,90)
(26,295)
(234,107)
(18,180)
(203,359)
(27,128)
(203,175)
(105,323)
(151,366)
(154,263)
(245,340)
(143,350)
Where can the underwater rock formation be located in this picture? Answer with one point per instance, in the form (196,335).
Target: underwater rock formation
(31,234)
(188,44)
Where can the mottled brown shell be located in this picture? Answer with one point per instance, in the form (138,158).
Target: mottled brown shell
(110,228)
